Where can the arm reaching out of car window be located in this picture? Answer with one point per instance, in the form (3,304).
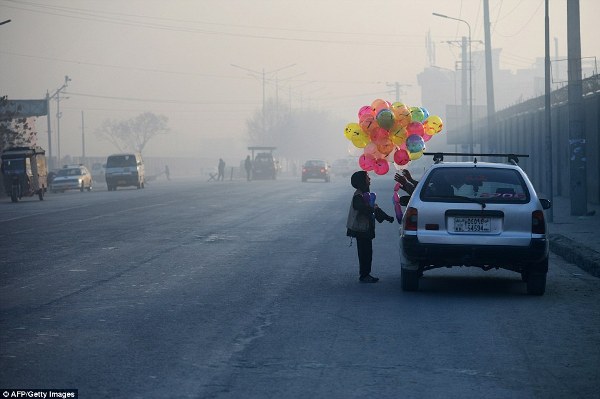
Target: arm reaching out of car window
(406,184)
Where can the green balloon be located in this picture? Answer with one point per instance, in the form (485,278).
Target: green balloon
(417,114)
(385,119)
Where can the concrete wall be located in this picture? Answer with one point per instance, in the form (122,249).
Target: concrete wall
(520,129)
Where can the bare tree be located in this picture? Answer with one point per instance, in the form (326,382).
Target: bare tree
(133,134)
(14,131)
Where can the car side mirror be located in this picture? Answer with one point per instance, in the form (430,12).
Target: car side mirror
(546,204)
(404,200)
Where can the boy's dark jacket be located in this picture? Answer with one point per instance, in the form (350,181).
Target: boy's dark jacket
(360,221)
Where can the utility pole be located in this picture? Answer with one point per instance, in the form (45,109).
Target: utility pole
(397,89)
(82,138)
(489,80)
(547,114)
(469,65)
(577,144)
(263,75)
(465,65)
(51,163)
(58,115)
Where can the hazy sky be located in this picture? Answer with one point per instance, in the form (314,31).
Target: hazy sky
(174,58)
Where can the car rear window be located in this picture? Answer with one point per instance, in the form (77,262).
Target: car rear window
(481,183)
(69,172)
(121,161)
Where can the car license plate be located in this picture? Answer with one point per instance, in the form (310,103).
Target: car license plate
(472,224)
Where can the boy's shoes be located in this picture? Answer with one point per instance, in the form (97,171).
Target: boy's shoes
(368,279)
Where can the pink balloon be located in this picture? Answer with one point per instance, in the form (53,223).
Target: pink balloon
(415,128)
(364,110)
(381,167)
(371,149)
(367,123)
(426,137)
(379,104)
(401,157)
(380,135)
(366,163)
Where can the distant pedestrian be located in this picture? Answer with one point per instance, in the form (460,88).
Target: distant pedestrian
(167,173)
(221,175)
(248,166)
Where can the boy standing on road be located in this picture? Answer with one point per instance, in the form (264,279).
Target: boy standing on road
(361,224)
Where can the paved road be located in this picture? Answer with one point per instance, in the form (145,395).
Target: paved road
(249,290)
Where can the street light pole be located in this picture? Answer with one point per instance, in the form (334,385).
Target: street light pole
(58,115)
(470,66)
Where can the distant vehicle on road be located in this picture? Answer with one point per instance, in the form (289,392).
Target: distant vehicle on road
(264,167)
(124,170)
(315,169)
(24,172)
(72,177)
(481,214)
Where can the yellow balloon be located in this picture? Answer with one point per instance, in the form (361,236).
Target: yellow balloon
(361,141)
(415,155)
(351,130)
(398,136)
(435,123)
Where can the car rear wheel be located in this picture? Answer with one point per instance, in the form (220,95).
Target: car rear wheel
(410,279)
(535,278)
(536,283)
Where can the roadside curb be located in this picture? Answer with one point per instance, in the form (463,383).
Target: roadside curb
(582,256)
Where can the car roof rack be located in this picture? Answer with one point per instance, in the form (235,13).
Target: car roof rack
(512,158)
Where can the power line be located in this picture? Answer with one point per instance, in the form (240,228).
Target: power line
(99,14)
(90,16)
(148,100)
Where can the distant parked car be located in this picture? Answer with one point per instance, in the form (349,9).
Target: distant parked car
(315,169)
(480,214)
(72,177)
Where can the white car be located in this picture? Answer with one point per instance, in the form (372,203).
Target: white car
(71,177)
(481,214)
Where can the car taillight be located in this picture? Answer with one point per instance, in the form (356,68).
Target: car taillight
(410,219)
(538,224)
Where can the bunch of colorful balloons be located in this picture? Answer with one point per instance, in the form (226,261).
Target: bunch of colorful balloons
(391,132)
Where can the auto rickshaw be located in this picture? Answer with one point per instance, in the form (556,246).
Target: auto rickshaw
(24,172)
